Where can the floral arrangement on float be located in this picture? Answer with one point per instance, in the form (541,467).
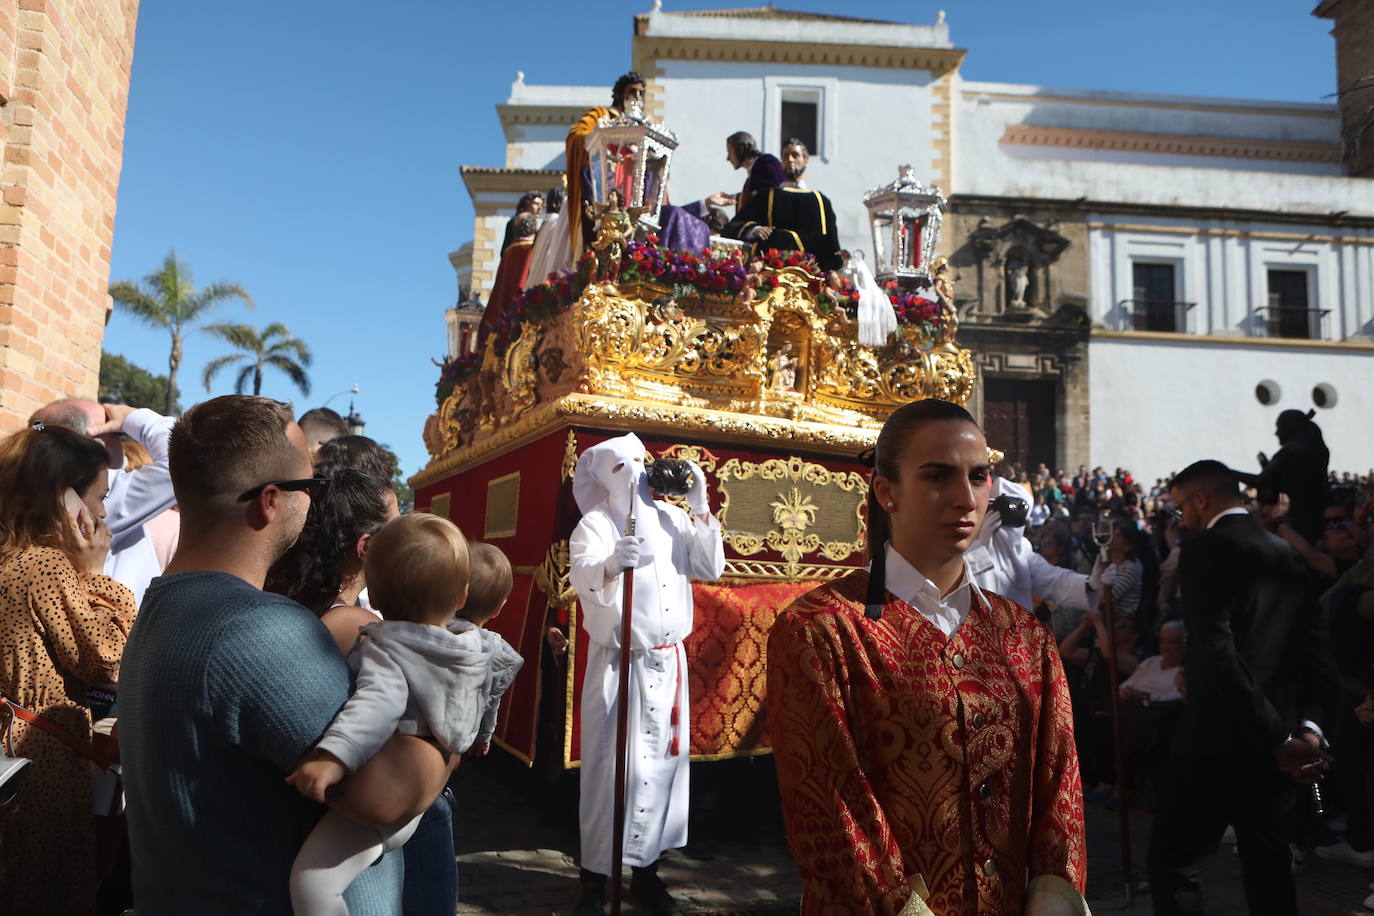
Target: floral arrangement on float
(650,269)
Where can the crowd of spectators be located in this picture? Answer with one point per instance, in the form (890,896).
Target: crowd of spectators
(239,528)
(1136,572)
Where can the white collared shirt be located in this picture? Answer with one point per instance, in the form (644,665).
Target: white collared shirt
(907,583)
(1234,510)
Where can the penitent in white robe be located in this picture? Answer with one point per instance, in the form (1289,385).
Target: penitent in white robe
(681,547)
(1003,561)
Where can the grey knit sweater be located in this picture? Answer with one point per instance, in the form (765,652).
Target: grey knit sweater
(223,687)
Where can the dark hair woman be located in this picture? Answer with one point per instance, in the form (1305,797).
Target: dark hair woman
(323,570)
(62,628)
(921,726)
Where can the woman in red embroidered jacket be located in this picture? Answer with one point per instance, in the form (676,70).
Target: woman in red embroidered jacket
(922,727)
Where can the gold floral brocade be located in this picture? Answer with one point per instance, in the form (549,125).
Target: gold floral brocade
(907,759)
(727,653)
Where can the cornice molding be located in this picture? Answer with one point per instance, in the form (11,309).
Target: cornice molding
(1217,232)
(1267,343)
(938,61)
(1172,144)
(540,114)
(1081,208)
(479,179)
(1116,100)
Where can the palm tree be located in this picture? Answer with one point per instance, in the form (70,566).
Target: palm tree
(169,299)
(273,347)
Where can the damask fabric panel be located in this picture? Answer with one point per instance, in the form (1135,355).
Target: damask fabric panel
(727,656)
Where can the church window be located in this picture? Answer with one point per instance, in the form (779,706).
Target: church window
(1154,304)
(1289,312)
(801,117)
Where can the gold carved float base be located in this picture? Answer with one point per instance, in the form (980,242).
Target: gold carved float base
(782,370)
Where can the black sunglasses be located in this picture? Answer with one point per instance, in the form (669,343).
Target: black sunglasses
(311,485)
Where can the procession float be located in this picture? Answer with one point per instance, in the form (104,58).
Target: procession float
(754,364)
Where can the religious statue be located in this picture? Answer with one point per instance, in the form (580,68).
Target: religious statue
(944,292)
(614,226)
(1018,279)
(784,369)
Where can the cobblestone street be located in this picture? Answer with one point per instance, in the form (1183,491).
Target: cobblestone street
(517,848)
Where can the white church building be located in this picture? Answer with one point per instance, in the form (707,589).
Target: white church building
(1196,264)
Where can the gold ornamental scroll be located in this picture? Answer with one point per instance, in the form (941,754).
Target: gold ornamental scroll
(797,509)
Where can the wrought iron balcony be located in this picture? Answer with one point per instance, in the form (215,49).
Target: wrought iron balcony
(1164,315)
(1294,321)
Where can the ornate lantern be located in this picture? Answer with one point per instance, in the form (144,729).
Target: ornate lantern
(905,216)
(632,155)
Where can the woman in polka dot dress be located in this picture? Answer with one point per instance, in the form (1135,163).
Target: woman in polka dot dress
(62,629)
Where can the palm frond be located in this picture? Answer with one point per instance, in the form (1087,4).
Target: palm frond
(243,336)
(213,366)
(275,329)
(293,371)
(285,345)
(170,284)
(200,301)
(245,377)
(138,303)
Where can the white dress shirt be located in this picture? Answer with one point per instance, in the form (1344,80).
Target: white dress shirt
(947,612)
(1234,510)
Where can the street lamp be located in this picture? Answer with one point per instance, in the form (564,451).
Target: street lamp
(353,390)
(905,217)
(355,422)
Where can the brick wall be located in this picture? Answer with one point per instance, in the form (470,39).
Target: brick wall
(64,81)
(1353,29)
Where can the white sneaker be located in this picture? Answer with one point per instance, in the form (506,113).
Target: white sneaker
(1344,852)
(1369,902)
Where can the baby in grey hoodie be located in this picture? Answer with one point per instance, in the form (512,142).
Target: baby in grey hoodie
(421,671)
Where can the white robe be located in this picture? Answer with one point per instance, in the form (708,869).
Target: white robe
(1002,561)
(551,251)
(678,547)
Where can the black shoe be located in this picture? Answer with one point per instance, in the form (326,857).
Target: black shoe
(650,892)
(593,899)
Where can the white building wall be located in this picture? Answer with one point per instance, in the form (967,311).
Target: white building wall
(989,167)
(871,121)
(1158,406)
(1223,266)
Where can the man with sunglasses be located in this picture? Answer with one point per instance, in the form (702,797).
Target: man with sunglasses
(224,686)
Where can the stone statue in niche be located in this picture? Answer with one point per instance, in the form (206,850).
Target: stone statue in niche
(784,369)
(1018,280)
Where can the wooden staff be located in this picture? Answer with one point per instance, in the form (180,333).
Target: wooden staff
(1119,743)
(622,723)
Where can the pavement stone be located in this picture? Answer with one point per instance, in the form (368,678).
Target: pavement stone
(517,846)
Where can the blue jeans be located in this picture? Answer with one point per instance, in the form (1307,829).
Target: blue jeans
(431,885)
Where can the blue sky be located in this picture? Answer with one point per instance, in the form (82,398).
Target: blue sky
(309,149)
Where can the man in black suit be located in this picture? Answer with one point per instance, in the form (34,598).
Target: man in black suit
(1248,613)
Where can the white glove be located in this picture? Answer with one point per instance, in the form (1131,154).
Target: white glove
(1095,580)
(697,500)
(624,556)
